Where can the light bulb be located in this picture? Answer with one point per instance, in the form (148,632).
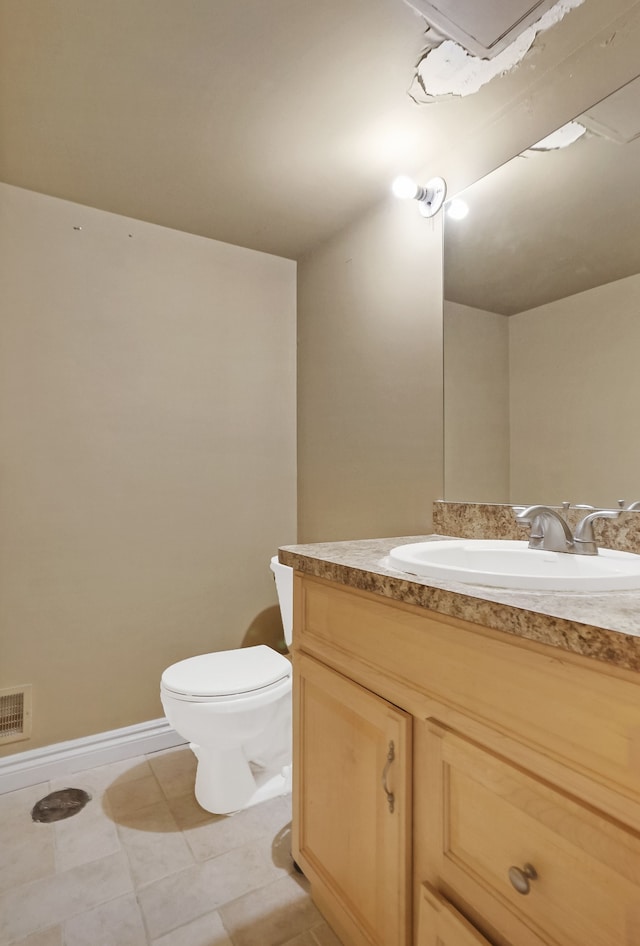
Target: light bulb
(404,187)
(457,209)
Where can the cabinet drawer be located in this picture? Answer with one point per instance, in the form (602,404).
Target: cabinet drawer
(492,819)
(439,924)
(571,710)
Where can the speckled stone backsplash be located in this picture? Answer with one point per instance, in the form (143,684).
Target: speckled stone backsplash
(494,521)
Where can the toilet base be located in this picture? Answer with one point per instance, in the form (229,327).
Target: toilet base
(270,784)
(226,782)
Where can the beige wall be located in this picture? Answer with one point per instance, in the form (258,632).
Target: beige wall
(566,382)
(370,449)
(146,407)
(147,442)
(476,404)
(575,390)
(370,378)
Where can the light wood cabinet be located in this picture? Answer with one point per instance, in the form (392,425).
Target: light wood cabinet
(535,863)
(352,804)
(439,924)
(523,767)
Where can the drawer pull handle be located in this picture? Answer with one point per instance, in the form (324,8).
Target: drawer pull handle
(391,754)
(520,877)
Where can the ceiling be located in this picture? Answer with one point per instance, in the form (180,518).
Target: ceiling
(265,123)
(271,124)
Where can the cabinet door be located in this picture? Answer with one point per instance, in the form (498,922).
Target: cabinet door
(440,924)
(351,832)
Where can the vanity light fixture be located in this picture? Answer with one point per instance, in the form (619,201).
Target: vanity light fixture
(430,197)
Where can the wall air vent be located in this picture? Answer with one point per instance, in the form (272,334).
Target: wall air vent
(15,714)
(483,27)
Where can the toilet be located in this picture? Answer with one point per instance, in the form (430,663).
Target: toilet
(234,707)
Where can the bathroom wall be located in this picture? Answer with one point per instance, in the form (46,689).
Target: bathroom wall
(370,451)
(370,378)
(542,406)
(147,405)
(476,404)
(575,389)
(147,443)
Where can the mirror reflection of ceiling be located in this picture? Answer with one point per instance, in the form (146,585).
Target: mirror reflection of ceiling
(550,224)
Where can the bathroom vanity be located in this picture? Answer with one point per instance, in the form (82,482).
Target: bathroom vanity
(466,761)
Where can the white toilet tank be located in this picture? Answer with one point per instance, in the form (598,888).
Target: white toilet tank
(283,575)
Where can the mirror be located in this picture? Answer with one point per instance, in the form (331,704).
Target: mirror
(542,322)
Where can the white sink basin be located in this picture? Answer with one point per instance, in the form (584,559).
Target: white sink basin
(504,564)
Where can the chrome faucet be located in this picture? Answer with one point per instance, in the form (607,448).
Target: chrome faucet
(549,530)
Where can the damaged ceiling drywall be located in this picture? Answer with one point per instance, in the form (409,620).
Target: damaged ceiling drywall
(182,115)
(446,68)
(561,138)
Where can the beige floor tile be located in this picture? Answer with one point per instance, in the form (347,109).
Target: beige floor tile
(97,780)
(143,828)
(87,836)
(175,770)
(52,937)
(12,803)
(181,898)
(26,847)
(154,844)
(26,858)
(126,798)
(303,939)
(224,832)
(117,923)
(205,931)
(44,903)
(272,915)
(187,811)
(323,935)
(15,812)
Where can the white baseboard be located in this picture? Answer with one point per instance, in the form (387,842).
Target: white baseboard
(64,758)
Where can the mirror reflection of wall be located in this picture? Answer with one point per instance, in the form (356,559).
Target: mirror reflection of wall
(542,322)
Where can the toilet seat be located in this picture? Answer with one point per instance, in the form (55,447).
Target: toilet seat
(226,675)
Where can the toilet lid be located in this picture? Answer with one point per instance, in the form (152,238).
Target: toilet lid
(227,672)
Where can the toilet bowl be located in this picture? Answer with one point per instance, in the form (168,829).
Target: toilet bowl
(234,707)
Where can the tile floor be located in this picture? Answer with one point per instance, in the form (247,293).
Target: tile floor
(143,865)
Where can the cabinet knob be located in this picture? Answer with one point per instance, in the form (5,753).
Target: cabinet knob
(520,877)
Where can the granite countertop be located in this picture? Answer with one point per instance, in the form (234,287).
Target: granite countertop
(603,626)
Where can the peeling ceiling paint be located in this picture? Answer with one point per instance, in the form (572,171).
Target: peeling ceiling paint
(447,69)
(561,138)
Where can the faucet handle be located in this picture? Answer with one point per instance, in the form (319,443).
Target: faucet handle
(584,539)
(628,507)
